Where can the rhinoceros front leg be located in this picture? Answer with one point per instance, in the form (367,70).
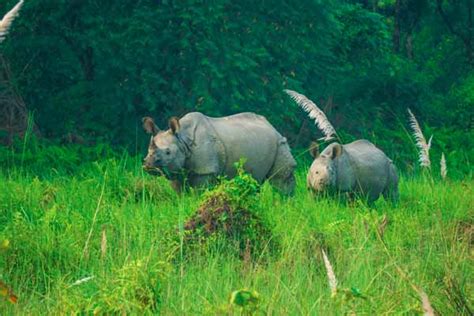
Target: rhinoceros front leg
(202,180)
(178,186)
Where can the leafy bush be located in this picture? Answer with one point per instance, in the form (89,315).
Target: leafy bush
(227,212)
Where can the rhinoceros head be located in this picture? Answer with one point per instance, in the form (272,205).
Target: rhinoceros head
(322,173)
(166,154)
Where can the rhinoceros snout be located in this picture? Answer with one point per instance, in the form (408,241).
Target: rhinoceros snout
(317,186)
(151,162)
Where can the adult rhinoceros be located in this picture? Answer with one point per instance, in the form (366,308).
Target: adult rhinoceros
(358,167)
(197,148)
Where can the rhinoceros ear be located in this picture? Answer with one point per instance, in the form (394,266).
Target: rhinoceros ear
(149,126)
(174,124)
(336,151)
(314,150)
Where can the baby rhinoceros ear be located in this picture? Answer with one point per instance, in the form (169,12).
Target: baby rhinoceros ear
(174,124)
(336,151)
(149,126)
(314,150)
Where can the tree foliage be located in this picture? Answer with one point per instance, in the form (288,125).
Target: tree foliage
(94,68)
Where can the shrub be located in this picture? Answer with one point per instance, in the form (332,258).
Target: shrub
(228,213)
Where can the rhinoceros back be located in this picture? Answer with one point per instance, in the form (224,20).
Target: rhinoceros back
(249,136)
(369,167)
(217,143)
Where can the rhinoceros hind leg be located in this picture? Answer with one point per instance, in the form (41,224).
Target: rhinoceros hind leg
(281,174)
(391,194)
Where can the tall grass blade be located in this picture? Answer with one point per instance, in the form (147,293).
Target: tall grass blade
(85,252)
(29,130)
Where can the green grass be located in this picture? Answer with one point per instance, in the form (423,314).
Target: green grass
(48,217)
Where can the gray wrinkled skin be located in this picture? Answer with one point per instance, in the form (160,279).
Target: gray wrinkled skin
(204,147)
(358,167)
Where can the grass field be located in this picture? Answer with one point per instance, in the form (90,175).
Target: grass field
(106,238)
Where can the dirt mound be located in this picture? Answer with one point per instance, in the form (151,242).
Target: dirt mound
(227,213)
(218,215)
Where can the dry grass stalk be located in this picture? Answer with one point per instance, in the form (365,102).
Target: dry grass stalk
(425,302)
(424,155)
(330,272)
(315,113)
(383,224)
(247,256)
(103,243)
(456,296)
(444,168)
(7,20)
(83,280)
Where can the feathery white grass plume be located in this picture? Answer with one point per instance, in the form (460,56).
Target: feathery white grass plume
(330,272)
(83,280)
(426,304)
(424,156)
(444,169)
(7,20)
(315,113)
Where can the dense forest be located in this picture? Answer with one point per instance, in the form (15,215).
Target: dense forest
(87,71)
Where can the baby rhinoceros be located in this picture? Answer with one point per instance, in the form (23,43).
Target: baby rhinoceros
(358,167)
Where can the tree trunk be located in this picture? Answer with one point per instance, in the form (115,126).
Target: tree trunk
(13,114)
(87,63)
(409,46)
(396,30)
(470,53)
